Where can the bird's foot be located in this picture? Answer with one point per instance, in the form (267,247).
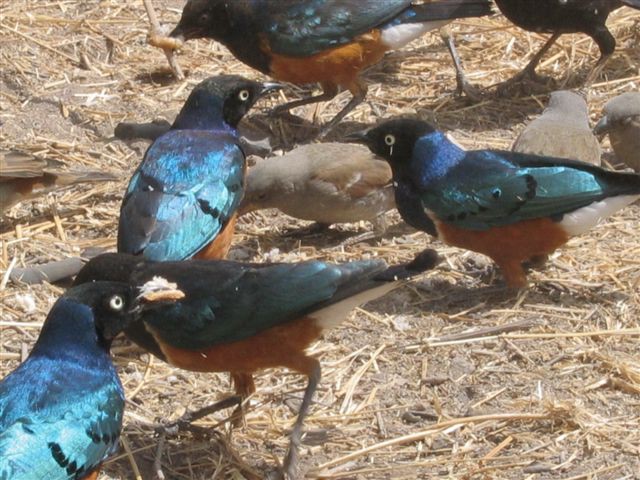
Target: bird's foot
(316,228)
(474,94)
(464,87)
(185,422)
(362,237)
(290,464)
(525,82)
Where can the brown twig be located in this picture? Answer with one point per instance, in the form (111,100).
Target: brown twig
(155,33)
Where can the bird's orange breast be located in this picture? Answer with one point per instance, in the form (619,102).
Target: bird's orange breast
(92,475)
(519,241)
(276,346)
(337,66)
(218,248)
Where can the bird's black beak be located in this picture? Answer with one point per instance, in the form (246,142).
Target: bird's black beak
(602,126)
(358,137)
(268,87)
(177,33)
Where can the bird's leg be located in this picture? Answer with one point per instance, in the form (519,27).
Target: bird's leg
(328,92)
(184,423)
(529,72)
(595,71)
(607,45)
(244,386)
(311,367)
(513,272)
(462,84)
(359,92)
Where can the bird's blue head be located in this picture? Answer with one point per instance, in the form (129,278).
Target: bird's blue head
(220,102)
(412,148)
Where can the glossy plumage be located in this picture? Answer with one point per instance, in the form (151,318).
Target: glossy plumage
(479,199)
(245,317)
(569,16)
(190,181)
(325,41)
(61,410)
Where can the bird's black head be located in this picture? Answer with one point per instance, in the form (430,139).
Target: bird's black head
(393,140)
(109,267)
(86,319)
(203,19)
(222,98)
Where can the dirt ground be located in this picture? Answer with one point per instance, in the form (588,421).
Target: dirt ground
(451,376)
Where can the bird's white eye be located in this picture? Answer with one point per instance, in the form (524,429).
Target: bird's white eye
(389,139)
(243,95)
(116,303)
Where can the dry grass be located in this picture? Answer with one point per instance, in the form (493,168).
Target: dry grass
(451,377)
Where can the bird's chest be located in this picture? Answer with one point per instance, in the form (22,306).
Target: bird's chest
(336,66)
(269,348)
(412,209)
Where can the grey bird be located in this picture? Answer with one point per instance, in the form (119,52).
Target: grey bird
(323,182)
(24,176)
(621,120)
(561,131)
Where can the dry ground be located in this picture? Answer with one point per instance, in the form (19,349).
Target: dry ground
(450,377)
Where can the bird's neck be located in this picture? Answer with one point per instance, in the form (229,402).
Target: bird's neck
(411,209)
(433,156)
(202,113)
(69,333)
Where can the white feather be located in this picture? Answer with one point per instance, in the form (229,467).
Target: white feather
(398,36)
(581,220)
(334,315)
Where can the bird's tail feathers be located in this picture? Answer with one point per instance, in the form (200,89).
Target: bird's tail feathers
(355,293)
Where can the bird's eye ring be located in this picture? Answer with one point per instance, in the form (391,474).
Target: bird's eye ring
(389,139)
(204,19)
(116,303)
(243,95)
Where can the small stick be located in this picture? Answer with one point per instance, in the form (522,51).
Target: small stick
(482,332)
(155,33)
(132,460)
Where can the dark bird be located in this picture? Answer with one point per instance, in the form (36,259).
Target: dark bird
(510,206)
(562,131)
(182,199)
(323,182)
(325,41)
(558,17)
(621,121)
(23,176)
(242,318)
(61,410)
